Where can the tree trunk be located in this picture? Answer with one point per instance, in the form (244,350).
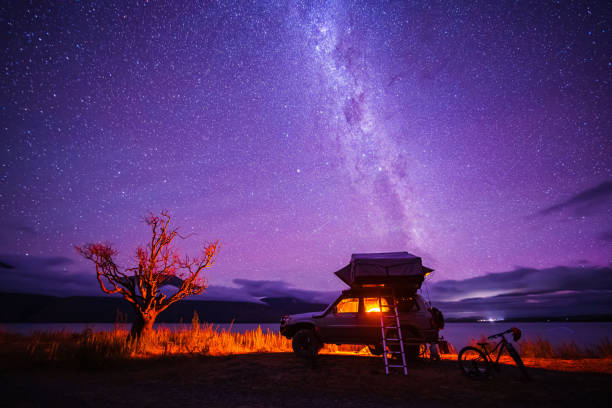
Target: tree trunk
(143,325)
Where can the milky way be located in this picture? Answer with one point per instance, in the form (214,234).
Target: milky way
(372,158)
(476,135)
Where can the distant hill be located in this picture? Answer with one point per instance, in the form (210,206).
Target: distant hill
(31,308)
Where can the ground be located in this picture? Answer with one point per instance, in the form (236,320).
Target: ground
(282,379)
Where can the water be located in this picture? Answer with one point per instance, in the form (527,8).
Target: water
(458,334)
(584,334)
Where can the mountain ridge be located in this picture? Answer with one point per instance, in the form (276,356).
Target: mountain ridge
(35,308)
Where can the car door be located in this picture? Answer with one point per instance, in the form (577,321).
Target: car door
(339,323)
(412,317)
(369,319)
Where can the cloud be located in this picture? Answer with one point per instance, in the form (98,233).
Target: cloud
(588,198)
(567,303)
(558,291)
(12,227)
(267,288)
(225,293)
(249,290)
(44,275)
(54,276)
(525,281)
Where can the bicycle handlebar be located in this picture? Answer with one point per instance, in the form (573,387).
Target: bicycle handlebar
(500,334)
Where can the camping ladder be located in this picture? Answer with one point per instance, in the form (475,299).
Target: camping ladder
(391,322)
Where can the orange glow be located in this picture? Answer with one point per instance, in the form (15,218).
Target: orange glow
(371,305)
(206,339)
(348,305)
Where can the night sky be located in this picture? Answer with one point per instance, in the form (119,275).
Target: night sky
(478,136)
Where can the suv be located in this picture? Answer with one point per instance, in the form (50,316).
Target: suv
(354,318)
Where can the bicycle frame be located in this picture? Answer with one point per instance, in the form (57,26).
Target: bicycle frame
(501,345)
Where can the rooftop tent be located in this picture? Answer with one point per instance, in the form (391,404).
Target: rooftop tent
(397,268)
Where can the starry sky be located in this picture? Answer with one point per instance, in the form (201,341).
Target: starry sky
(477,135)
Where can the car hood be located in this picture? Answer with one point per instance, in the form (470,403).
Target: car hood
(305,316)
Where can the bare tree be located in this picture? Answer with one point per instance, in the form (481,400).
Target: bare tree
(158,265)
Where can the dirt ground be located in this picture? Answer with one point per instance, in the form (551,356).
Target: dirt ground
(283,380)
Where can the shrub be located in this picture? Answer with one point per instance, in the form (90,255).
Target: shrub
(538,348)
(569,351)
(604,348)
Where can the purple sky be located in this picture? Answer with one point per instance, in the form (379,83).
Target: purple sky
(477,136)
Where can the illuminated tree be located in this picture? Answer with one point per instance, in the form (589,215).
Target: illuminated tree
(158,265)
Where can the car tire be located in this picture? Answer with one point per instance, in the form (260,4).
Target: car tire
(305,343)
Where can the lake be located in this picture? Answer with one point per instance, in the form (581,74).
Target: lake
(458,334)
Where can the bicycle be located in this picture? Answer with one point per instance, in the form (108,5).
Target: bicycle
(477,362)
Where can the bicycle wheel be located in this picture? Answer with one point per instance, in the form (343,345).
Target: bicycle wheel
(517,359)
(474,362)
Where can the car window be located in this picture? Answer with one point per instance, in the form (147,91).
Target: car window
(407,304)
(348,305)
(371,305)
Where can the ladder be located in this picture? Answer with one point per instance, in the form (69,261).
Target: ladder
(391,322)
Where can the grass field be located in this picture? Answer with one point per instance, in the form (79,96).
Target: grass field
(97,348)
(203,366)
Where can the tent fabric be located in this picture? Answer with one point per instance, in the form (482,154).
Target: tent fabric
(389,267)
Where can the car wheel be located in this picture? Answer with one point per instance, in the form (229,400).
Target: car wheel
(305,343)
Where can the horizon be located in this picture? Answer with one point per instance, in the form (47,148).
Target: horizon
(522,293)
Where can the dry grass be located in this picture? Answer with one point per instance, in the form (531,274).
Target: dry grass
(539,348)
(604,348)
(543,348)
(98,348)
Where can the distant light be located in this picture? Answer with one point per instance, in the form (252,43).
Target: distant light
(299,171)
(492,319)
